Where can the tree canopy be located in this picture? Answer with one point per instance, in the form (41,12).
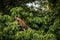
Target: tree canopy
(41,16)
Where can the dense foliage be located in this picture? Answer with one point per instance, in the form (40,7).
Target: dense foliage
(43,24)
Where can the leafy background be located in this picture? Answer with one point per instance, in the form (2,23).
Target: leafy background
(43,23)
